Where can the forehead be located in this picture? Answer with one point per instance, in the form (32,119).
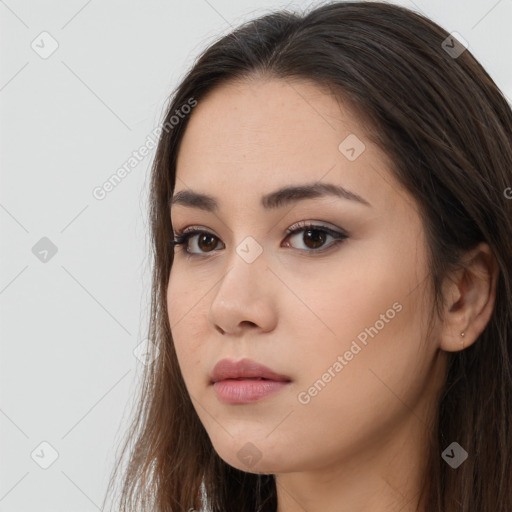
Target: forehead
(249,137)
(274,118)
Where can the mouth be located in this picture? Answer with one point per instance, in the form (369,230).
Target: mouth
(245,381)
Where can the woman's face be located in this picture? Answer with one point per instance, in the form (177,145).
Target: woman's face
(342,314)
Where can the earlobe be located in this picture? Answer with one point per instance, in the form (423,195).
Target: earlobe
(469,296)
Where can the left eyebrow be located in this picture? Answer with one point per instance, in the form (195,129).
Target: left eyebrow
(273,200)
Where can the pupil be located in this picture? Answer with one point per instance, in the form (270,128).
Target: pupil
(320,237)
(205,237)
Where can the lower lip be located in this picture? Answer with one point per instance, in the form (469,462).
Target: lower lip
(234,391)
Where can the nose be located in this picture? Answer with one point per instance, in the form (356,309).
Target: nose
(244,298)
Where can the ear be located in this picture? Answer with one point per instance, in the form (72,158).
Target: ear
(469,297)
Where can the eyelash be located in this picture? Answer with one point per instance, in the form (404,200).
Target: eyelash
(182,237)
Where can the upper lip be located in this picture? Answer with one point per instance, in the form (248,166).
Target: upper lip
(229,369)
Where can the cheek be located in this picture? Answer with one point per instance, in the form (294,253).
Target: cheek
(185,310)
(339,411)
(186,293)
(370,299)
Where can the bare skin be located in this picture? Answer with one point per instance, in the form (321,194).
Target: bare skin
(357,441)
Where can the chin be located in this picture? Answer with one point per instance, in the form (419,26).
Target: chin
(256,457)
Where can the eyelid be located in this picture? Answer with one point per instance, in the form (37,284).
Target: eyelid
(195,228)
(315,224)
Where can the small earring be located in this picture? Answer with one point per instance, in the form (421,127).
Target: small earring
(462,341)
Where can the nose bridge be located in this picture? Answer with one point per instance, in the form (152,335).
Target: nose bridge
(244,294)
(247,267)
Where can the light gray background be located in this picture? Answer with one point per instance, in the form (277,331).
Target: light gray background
(68,122)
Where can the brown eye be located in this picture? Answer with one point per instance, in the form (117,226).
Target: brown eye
(314,237)
(206,242)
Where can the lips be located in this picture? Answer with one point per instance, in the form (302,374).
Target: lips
(245,369)
(245,382)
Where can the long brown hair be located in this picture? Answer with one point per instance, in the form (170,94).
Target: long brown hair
(447,129)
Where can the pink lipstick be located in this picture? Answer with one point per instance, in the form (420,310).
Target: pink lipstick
(245,381)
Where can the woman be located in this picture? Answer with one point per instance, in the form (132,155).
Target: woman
(331,302)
